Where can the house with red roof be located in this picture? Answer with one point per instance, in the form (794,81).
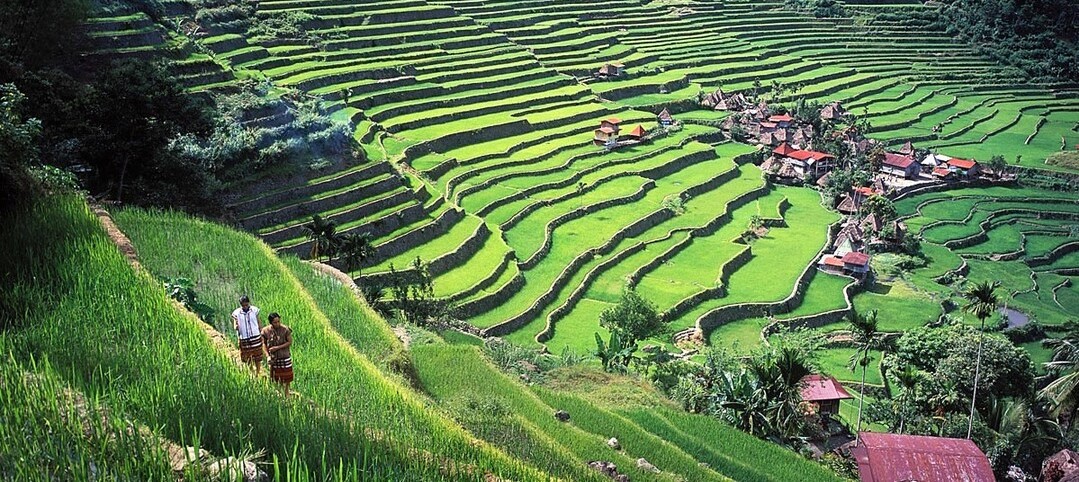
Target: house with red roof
(825,392)
(900,165)
(637,133)
(853,263)
(887,457)
(781,120)
(607,134)
(804,163)
(856,263)
(964,168)
(943,173)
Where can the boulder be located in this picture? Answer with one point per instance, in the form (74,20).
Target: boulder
(613,443)
(234,469)
(604,467)
(646,466)
(1060,466)
(562,416)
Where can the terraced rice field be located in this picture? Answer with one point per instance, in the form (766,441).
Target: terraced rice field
(477,116)
(1024,238)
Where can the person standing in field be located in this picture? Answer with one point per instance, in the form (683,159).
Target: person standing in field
(249,331)
(278,339)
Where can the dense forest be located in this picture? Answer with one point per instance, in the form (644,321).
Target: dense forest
(1039,36)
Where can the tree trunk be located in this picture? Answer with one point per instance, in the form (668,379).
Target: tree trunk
(120,188)
(861,396)
(977,374)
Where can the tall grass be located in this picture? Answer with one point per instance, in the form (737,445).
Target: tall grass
(727,449)
(47,437)
(349,315)
(331,371)
(70,296)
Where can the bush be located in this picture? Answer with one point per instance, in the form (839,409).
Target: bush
(1066,159)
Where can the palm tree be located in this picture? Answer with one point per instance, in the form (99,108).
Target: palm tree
(982,302)
(1063,392)
(864,333)
(908,379)
(355,249)
(323,236)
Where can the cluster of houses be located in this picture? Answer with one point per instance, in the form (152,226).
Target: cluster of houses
(610,135)
(855,239)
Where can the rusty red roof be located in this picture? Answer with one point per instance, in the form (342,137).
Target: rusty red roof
(962,163)
(807,155)
(855,258)
(866,191)
(613,120)
(605,130)
(819,388)
(941,171)
(831,261)
(784,149)
(885,457)
(638,131)
(780,118)
(897,160)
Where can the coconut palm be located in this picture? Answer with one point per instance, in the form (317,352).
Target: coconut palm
(982,302)
(908,379)
(323,236)
(864,334)
(1063,392)
(354,249)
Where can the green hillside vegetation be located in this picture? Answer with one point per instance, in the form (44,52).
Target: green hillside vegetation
(446,160)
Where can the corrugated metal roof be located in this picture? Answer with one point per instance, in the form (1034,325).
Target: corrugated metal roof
(885,457)
(819,388)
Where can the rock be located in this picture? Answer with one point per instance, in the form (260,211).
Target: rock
(562,416)
(234,469)
(181,457)
(1060,465)
(646,465)
(613,443)
(608,469)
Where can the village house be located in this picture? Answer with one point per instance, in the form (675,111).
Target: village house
(719,101)
(854,264)
(607,134)
(884,232)
(782,121)
(825,392)
(851,237)
(637,134)
(611,70)
(801,163)
(665,118)
(833,111)
(963,168)
(887,457)
(900,165)
(933,161)
(849,255)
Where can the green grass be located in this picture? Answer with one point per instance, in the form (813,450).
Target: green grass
(331,371)
(129,338)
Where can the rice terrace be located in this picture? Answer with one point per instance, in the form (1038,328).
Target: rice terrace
(515,240)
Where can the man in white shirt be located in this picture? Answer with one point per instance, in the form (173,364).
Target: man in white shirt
(249,331)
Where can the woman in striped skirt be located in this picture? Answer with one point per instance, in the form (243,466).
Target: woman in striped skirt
(249,331)
(278,342)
